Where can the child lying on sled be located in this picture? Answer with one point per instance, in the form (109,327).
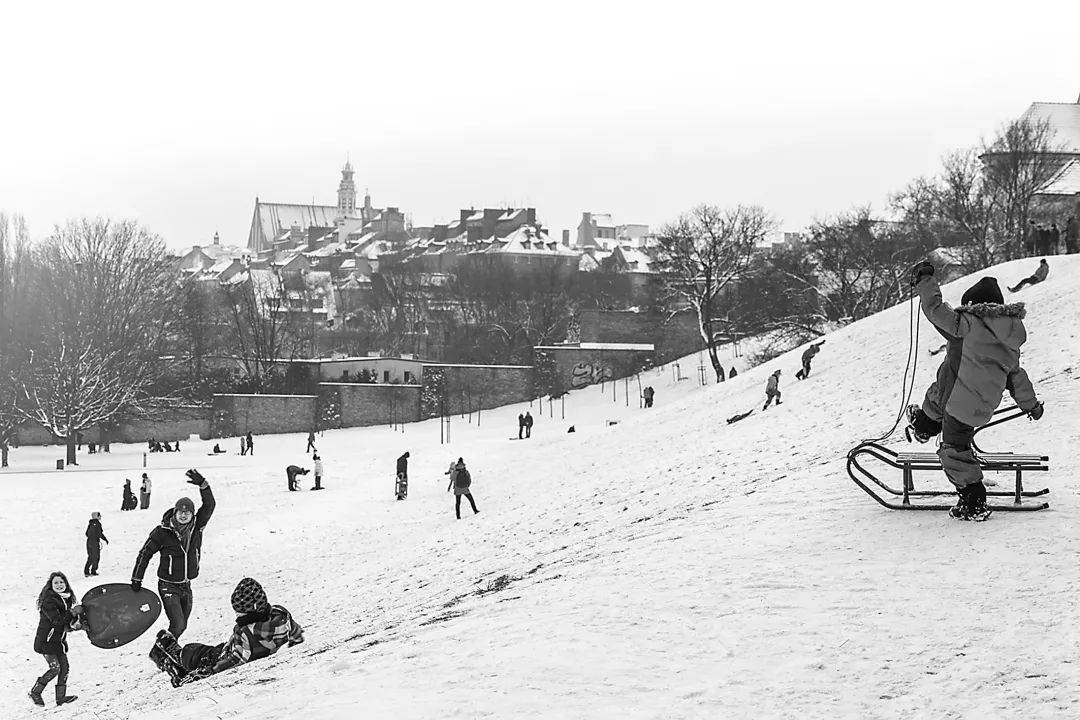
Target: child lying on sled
(260,630)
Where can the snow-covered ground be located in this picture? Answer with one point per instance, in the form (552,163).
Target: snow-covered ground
(669,565)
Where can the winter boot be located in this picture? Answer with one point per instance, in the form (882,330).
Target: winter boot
(919,426)
(62,696)
(977,509)
(35,693)
(166,655)
(960,510)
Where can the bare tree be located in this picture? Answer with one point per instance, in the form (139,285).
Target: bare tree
(13,281)
(705,251)
(1019,160)
(103,300)
(260,319)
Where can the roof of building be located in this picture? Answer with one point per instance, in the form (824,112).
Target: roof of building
(603,220)
(1066,181)
(271,220)
(1064,118)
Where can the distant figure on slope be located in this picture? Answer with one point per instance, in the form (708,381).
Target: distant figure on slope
(772,390)
(318,472)
(95,535)
(992,333)
(261,629)
(1072,236)
(648,393)
(1040,274)
(528,424)
(178,540)
(401,488)
(807,357)
(292,472)
(250,444)
(57,613)
(219,451)
(144,492)
(521,426)
(129,502)
(733,373)
(243,445)
(310,443)
(460,482)
(740,416)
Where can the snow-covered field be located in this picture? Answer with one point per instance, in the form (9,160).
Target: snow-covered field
(670,565)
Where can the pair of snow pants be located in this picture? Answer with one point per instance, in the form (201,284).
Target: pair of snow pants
(176,600)
(457,503)
(58,668)
(957,459)
(93,557)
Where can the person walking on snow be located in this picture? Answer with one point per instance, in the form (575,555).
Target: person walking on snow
(460,481)
(178,540)
(648,393)
(772,390)
(521,426)
(1072,235)
(144,492)
(318,472)
(95,535)
(1040,274)
(402,472)
(250,444)
(292,472)
(57,613)
(310,443)
(261,629)
(528,424)
(992,333)
(807,357)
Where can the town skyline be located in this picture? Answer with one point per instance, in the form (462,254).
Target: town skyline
(182,130)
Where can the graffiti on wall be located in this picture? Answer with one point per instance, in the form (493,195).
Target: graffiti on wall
(587,373)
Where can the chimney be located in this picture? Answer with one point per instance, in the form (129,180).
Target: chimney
(217,239)
(566,238)
(295,234)
(465,214)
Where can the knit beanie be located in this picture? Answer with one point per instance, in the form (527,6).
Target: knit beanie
(984,291)
(249,597)
(185,503)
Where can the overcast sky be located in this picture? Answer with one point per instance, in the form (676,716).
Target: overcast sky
(179,115)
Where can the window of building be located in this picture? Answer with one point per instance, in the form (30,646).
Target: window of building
(386,376)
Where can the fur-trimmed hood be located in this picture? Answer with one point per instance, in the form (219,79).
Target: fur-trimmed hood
(991,310)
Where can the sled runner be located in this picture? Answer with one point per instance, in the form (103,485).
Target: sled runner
(114,615)
(911,462)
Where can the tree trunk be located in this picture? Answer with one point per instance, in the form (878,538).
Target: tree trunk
(3,454)
(717,367)
(70,440)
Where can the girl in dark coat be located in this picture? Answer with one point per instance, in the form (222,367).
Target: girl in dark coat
(130,503)
(460,482)
(58,614)
(95,535)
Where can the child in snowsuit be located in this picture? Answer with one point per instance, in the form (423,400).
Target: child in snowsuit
(318,472)
(95,535)
(1040,274)
(261,629)
(460,481)
(58,613)
(807,357)
(991,333)
(179,540)
(129,503)
(772,390)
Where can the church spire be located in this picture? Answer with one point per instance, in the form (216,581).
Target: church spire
(347,191)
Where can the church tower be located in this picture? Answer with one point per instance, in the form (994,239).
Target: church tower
(346,194)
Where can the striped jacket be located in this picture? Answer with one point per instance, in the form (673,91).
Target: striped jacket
(260,638)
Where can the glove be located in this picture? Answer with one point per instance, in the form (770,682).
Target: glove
(921,270)
(136,585)
(76,610)
(195,477)
(1036,412)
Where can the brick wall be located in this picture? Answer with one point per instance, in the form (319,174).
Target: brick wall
(372,404)
(672,337)
(485,386)
(172,424)
(262,414)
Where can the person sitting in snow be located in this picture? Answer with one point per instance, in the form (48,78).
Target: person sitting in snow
(992,333)
(1040,274)
(261,629)
(772,390)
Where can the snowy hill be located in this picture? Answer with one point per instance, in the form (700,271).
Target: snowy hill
(669,565)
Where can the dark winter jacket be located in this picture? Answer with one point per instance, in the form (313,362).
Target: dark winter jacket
(54,623)
(403,464)
(129,502)
(461,479)
(809,353)
(95,534)
(179,556)
(528,420)
(1042,271)
(992,334)
(772,385)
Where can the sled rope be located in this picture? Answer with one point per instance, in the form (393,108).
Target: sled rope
(907,385)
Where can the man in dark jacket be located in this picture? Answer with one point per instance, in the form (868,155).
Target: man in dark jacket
(528,424)
(179,541)
(521,426)
(292,472)
(1072,235)
(401,488)
(807,357)
(95,535)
